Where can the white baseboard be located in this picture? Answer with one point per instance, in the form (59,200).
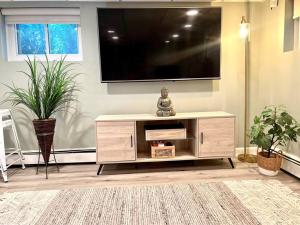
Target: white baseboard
(82,155)
(79,155)
(88,155)
(250,150)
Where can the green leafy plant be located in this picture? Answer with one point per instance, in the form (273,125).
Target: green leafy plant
(272,128)
(51,86)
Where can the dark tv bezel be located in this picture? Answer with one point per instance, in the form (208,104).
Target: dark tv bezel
(158,80)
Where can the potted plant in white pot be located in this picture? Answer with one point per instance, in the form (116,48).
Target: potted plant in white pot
(273,128)
(51,87)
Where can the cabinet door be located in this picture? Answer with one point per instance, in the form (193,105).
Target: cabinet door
(116,141)
(216,137)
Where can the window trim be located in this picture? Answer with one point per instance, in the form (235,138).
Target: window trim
(12,51)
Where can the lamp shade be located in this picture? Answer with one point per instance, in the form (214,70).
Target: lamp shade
(244,29)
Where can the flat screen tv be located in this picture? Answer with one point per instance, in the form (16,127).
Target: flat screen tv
(154,44)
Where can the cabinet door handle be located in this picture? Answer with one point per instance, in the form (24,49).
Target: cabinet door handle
(131,141)
(202,138)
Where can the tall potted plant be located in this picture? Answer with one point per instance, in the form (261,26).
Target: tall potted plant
(51,86)
(274,127)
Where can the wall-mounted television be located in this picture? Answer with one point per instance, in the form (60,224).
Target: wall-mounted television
(154,44)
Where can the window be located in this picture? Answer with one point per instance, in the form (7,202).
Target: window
(34,32)
(31,39)
(50,38)
(296,16)
(291,26)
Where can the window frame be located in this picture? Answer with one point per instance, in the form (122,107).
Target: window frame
(12,47)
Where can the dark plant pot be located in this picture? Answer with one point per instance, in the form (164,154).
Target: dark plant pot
(44,130)
(268,166)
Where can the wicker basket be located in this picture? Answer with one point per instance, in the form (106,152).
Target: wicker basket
(273,163)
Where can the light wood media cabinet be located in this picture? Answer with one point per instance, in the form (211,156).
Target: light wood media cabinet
(122,138)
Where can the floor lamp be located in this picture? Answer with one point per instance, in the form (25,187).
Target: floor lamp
(245,35)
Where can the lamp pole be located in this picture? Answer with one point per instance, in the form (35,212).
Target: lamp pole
(245,35)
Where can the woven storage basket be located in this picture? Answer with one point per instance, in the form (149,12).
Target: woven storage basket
(163,151)
(273,163)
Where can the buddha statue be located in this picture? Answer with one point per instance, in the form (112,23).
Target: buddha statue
(164,104)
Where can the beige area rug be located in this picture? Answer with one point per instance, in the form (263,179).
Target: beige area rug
(224,203)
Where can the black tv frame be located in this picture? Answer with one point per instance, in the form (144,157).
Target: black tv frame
(159,80)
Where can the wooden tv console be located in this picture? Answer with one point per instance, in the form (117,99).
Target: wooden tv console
(122,139)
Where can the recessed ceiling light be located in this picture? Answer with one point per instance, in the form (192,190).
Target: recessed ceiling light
(175,35)
(115,37)
(111,31)
(167,41)
(188,25)
(192,12)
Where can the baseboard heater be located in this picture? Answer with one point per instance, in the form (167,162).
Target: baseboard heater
(289,159)
(63,156)
(290,163)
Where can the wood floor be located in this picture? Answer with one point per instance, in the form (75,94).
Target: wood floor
(84,175)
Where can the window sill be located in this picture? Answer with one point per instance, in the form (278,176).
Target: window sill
(69,58)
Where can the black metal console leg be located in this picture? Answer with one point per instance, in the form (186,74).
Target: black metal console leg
(231,163)
(100,169)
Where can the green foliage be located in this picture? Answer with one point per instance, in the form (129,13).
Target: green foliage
(51,86)
(274,127)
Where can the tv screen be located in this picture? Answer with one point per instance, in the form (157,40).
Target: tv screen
(149,44)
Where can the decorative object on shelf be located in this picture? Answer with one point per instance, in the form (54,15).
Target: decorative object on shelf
(51,87)
(162,150)
(272,128)
(164,104)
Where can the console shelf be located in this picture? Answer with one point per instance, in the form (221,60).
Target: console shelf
(122,138)
(180,156)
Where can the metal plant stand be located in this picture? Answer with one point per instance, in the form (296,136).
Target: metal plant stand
(46,163)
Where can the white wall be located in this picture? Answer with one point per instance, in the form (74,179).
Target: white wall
(77,129)
(275,74)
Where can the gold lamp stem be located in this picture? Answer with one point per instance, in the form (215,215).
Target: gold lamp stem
(246,157)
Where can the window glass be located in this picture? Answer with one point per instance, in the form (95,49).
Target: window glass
(63,38)
(31,39)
